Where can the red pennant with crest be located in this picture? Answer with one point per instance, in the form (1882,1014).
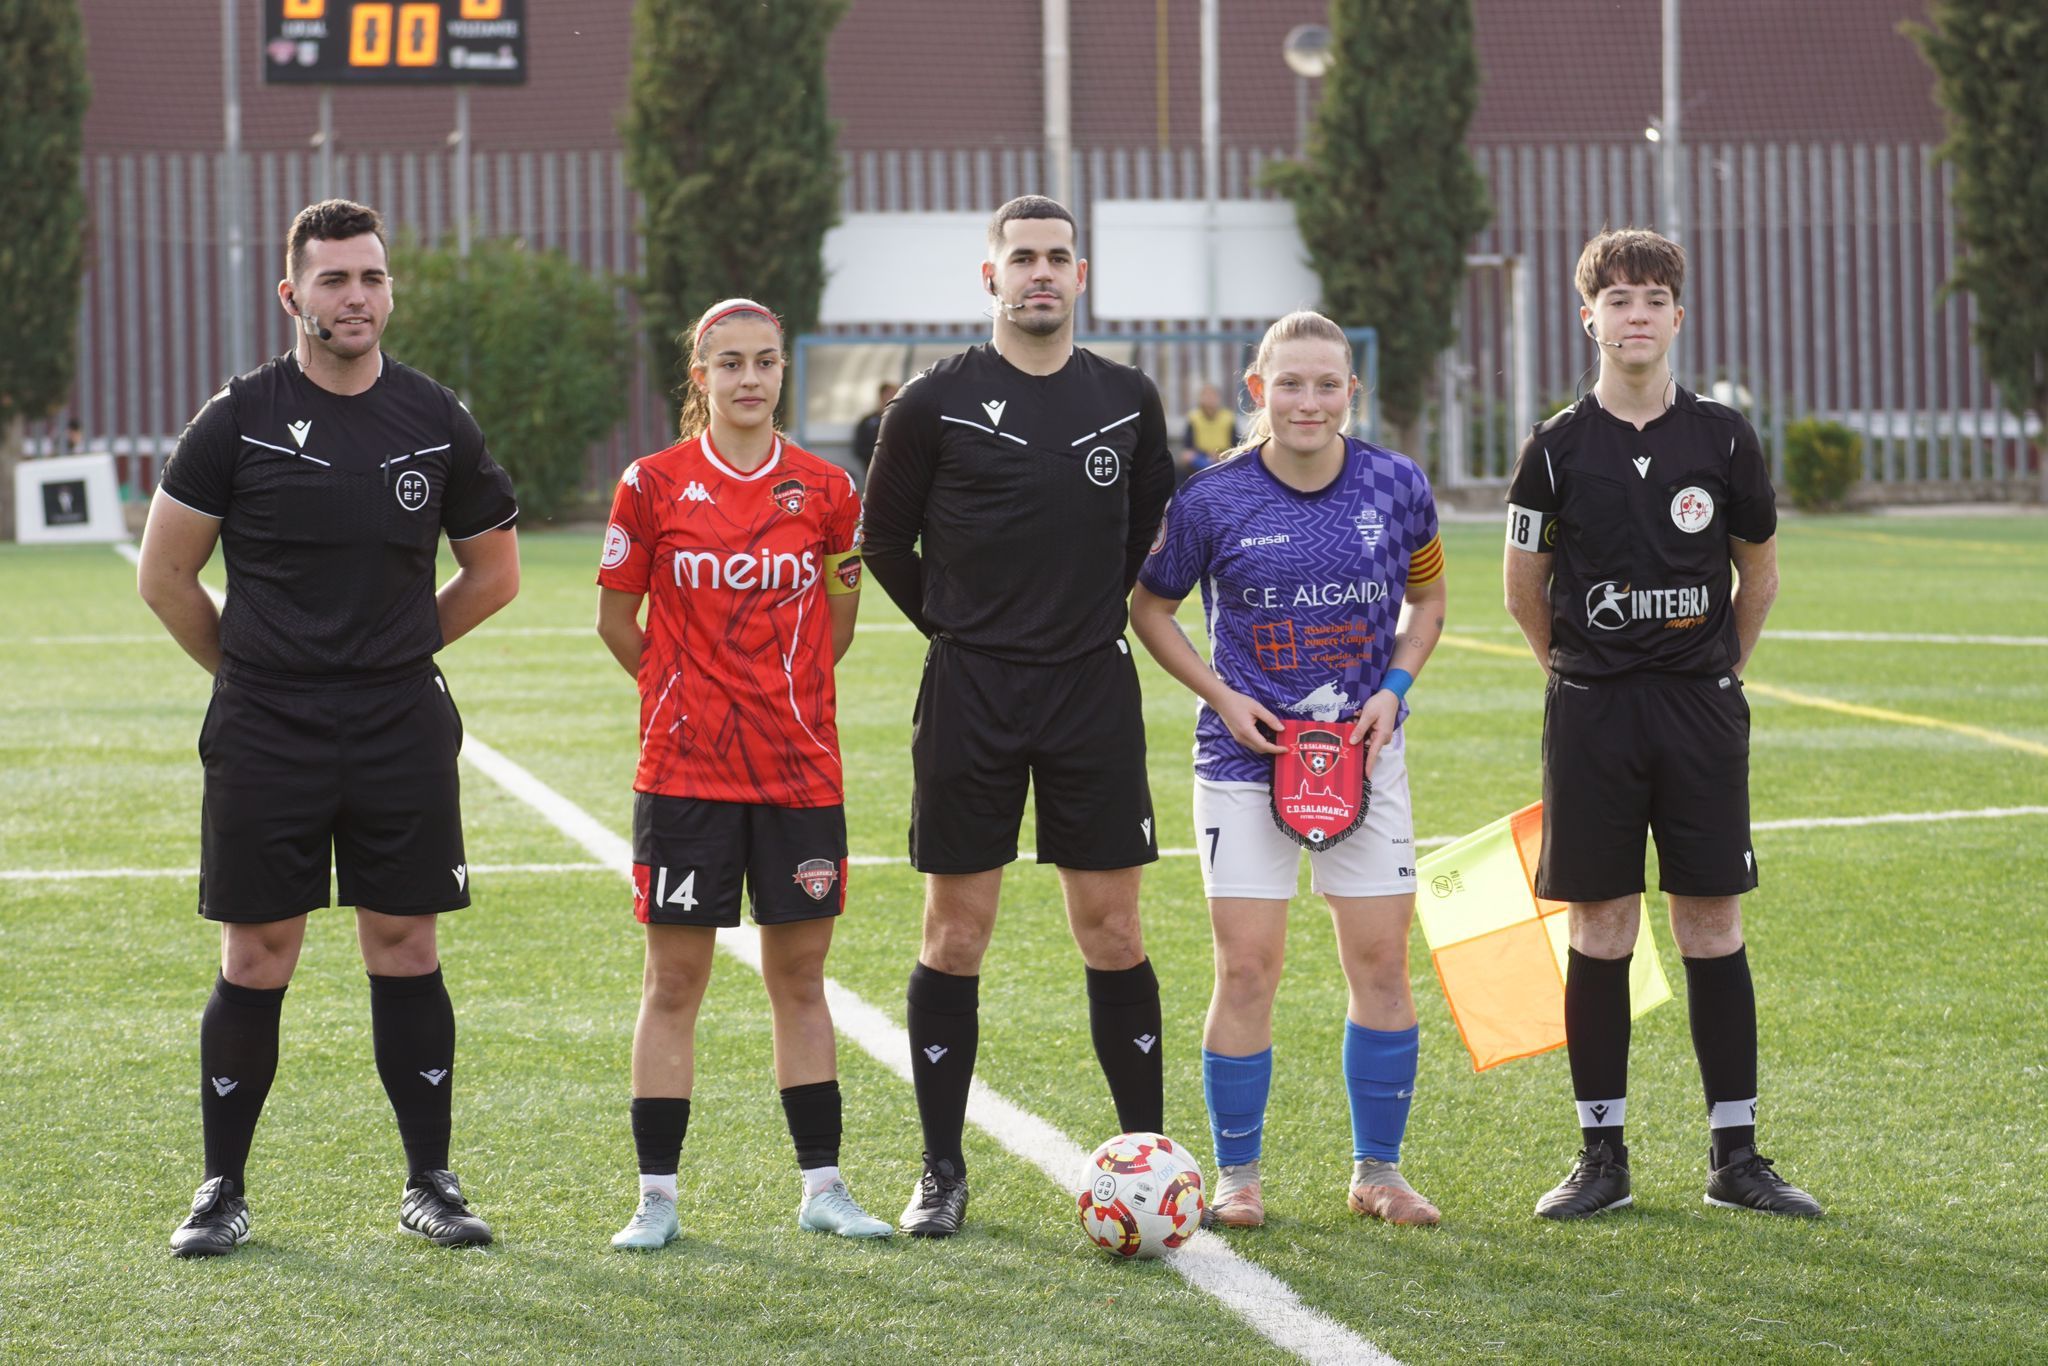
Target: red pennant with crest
(1320,792)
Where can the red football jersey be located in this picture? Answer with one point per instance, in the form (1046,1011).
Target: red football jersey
(736,695)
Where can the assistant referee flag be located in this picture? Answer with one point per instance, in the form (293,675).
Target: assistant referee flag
(1500,950)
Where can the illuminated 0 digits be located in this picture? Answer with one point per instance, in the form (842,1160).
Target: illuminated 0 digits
(369,36)
(483,9)
(419,35)
(305,9)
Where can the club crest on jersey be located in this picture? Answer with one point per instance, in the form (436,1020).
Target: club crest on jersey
(617,544)
(411,489)
(789,496)
(1692,508)
(1159,541)
(1371,526)
(816,876)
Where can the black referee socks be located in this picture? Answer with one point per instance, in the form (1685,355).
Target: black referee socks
(1596,1030)
(237,1063)
(943,1017)
(412,1025)
(1721,999)
(1123,1018)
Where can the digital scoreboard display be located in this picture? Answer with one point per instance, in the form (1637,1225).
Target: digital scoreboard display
(394,42)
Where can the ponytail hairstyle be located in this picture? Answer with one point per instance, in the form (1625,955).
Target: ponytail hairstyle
(696,408)
(1302,325)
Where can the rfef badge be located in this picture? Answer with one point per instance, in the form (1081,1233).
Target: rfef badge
(1320,792)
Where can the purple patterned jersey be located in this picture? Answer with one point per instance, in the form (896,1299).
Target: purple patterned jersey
(1301,591)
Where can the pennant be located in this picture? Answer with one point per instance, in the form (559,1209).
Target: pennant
(1500,950)
(1320,792)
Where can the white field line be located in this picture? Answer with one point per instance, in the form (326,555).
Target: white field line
(1262,1299)
(1983,813)
(1269,1304)
(903,627)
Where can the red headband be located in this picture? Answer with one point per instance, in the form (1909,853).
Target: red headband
(744,306)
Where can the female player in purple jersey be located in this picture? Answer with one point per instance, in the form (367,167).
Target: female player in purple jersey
(1323,591)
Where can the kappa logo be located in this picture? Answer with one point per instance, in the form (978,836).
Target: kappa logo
(1642,464)
(299,431)
(1145,1042)
(994,408)
(816,876)
(789,496)
(935,1052)
(461,873)
(435,1075)
(223,1085)
(631,478)
(694,492)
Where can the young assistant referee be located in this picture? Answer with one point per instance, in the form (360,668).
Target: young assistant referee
(1035,474)
(328,477)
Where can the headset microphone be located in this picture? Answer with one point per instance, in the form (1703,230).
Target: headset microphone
(1587,324)
(310,323)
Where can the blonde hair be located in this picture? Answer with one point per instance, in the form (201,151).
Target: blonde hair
(1301,325)
(696,408)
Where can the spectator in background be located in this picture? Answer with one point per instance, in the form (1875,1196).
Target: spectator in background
(1211,430)
(865,431)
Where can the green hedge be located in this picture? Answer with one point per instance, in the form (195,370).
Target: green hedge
(1822,459)
(537,347)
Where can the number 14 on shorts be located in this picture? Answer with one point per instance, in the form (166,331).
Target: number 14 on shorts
(663,887)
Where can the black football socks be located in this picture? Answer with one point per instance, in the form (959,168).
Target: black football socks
(944,1021)
(1123,1018)
(237,1063)
(1721,999)
(1596,1027)
(412,1027)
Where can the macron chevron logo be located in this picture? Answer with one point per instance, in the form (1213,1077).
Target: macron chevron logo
(223,1085)
(435,1075)
(1145,1042)
(298,431)
(994,409)
(1642,464)
(935,1052)
(461,872)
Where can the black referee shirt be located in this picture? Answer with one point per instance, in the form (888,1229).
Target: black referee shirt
(332,507)
(1036,498)
(1639,523)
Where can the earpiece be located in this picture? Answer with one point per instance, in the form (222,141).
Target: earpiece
(1586,324)
(307,322)
(990,281)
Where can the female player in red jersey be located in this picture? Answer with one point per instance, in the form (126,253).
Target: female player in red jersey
(746,550)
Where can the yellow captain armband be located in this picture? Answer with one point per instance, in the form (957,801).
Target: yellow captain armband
(1427,564)
(842,573)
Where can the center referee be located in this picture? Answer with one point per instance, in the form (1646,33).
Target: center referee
(328,476)
(1034,474)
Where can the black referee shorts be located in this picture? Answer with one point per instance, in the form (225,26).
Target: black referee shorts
(298,767)
(1663,751)
(985,729)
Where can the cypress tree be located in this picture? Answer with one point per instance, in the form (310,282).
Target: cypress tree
(1387,197)
(43,95)
(1988,58)
(729,144)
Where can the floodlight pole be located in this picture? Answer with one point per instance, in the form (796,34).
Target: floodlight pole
(231,119)
(1669,146)
(460,137)
(1059,121)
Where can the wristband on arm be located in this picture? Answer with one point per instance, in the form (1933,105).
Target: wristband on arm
(1397,682)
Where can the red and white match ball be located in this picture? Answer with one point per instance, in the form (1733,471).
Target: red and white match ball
(1141,1195)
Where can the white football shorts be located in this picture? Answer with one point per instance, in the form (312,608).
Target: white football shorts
(1245,854)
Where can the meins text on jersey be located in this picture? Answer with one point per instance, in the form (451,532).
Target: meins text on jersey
(767,570)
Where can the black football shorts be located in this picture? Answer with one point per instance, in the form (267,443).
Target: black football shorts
(693,857)
(362,770)
(986,729)
(1665,752)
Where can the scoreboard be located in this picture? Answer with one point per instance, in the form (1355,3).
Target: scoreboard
(394,42)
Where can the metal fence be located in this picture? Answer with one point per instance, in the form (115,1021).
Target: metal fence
(1815,280)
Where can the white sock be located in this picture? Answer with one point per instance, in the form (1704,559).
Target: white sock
(817,1178)
(665,1184)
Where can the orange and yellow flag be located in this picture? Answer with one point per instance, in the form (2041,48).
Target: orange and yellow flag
(1499,949)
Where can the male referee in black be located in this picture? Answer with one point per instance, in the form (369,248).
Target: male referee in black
(328,476)
(1625,514)
(1035,474)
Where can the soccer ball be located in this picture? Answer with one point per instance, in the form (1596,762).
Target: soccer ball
(1140,1196)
